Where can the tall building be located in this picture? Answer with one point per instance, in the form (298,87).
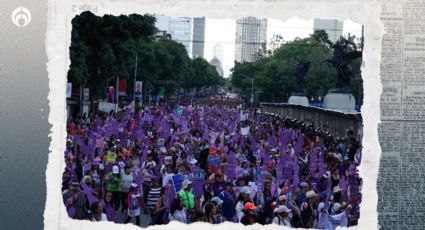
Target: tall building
(180,29)
(162,22)
(332,27)
(251,36)
(198,40)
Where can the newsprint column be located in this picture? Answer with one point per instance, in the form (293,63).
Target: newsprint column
(401,180)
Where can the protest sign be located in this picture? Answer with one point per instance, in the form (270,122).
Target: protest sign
(161,142)
(177,182)
(245,131)
(199,174)
(138,91)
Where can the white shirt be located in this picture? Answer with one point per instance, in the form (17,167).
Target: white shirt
(166,178)
(146,162)
(134,205)
(239,210)
(102,218)
(321,211)
(126,180)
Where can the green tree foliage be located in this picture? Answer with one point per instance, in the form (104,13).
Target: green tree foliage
(273,71)
(105,48)
(203,74)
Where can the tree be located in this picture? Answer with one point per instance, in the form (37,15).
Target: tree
(243,73)
(203,74)
(105,48)
(273,71)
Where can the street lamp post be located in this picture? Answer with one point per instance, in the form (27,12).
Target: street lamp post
(252,91)
(136,102)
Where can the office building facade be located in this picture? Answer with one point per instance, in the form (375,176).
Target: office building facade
(251,36)
(333,28)
(198,38)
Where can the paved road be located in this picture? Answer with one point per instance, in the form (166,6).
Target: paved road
(144,219)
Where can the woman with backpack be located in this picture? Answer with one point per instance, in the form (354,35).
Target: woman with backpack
(281,216)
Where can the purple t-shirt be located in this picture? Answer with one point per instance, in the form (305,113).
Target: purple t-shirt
(218,187)
(110,212)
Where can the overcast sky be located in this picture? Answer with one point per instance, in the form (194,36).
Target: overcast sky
(221,33)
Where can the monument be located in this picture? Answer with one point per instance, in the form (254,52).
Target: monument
(300,73)
(340,97)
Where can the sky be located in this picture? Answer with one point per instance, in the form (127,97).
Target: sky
(221,33)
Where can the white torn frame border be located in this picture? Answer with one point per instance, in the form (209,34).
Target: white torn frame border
(60,14)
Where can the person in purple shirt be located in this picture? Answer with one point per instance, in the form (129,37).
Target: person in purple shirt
(217,182)
(109,207)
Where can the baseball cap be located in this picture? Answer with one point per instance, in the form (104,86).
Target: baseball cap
(282,197)
(217,200)
(245,190)
(185,183)
(250,206)
(282,208)
(115,169)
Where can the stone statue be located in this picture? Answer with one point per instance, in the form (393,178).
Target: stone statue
(344,52)
(300,73)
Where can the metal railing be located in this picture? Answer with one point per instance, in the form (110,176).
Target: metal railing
(336,122)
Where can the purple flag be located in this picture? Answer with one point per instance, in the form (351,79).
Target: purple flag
(270,141)
(343,185)
(89,193)
(198,188)
(230,171)
(321,163)
(266,157)
(169,194)
(235,138)
(253,144)
(313,160)
(205,135)
(296,178)
(242,140)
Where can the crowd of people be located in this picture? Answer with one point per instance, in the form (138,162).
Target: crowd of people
(211,162)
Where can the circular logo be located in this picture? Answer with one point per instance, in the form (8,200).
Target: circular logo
(21,16)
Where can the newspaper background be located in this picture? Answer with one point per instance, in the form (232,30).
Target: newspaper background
(401,180)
